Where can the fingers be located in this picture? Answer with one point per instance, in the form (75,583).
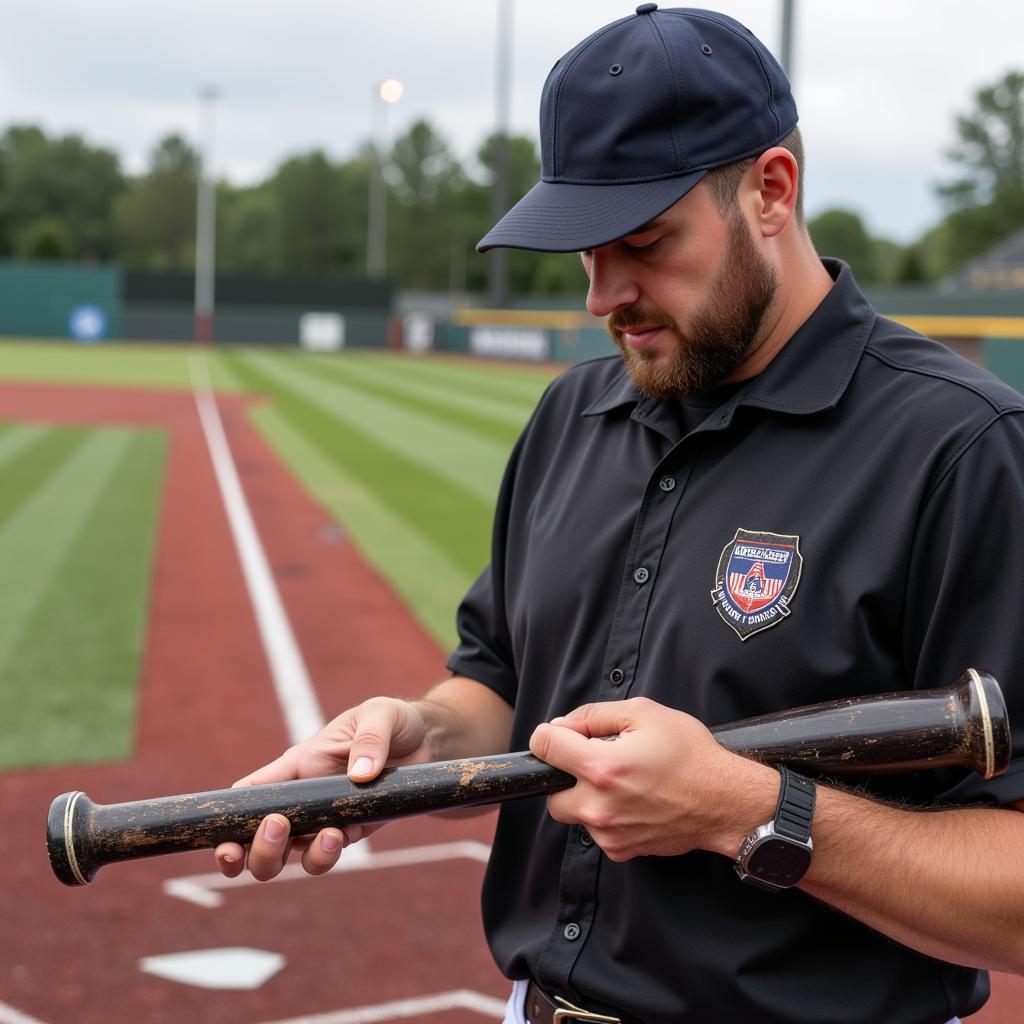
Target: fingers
(269,852)
(281,769)
(269,849)
(377,724)
(606,718)
(563,741)
(230,859)
(559,746)
(322,854)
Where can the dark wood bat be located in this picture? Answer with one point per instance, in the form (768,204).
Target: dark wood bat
(961,725)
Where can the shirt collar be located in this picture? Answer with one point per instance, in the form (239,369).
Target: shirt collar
(810,373)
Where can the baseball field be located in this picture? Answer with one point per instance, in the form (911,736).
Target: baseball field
(138,659)
(205,554)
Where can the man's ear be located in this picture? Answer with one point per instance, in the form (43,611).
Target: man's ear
(772,185)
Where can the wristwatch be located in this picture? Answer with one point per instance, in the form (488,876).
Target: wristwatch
(778,854)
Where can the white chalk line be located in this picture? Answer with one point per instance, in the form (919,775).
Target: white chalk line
(207,890)
(397,1009)
(302,714)
(9,1015)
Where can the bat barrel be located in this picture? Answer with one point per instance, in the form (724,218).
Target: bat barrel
(986,722)
(962,725)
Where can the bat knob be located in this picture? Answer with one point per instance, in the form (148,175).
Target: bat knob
(64,825)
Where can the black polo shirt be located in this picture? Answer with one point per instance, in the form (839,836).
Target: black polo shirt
(849,522)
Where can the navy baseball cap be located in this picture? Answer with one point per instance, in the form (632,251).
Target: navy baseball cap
(635,115)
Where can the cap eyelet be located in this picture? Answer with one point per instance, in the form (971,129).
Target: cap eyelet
(615,69)
(705,49)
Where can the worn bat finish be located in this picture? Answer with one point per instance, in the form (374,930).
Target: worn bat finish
(962,725)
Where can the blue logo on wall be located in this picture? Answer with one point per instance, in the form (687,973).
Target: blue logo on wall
(87,323)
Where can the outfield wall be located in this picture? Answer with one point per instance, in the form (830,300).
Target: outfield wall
(42,300)
(985,327)
(94,303)
(90,304)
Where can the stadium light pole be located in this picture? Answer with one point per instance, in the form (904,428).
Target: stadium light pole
(497,259)
(786,49)
(384,93)
(206,219)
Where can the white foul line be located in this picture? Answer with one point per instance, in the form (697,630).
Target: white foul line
(460,999)
(295,694)
(205,890)
(9,1015)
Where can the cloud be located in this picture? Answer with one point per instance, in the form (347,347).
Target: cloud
(878,81)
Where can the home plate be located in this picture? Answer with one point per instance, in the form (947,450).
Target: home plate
(232,967)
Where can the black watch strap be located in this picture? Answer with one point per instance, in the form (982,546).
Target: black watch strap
(795,809)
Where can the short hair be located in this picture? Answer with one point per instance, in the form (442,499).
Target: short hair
(724,182)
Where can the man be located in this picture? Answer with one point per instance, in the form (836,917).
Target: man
(774,497)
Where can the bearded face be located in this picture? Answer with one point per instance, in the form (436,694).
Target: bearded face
(719,334)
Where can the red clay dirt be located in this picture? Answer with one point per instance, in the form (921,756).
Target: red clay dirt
(207,715)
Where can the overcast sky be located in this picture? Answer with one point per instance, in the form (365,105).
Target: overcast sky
(878,82)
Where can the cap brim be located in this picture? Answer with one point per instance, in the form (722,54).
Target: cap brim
(557,217)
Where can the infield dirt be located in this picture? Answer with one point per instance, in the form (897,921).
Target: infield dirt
(208,715)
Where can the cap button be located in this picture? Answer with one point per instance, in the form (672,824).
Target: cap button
(646,8)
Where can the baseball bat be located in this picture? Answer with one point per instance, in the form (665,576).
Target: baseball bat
(961,725)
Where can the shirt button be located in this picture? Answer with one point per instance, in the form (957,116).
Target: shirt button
(641,575)
(667,483)
(617,676)
(571,931)
(586,838)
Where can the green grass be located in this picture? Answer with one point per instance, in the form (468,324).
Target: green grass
(104,365)
(77,523)
(406,455)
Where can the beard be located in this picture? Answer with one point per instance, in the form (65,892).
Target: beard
(722,332)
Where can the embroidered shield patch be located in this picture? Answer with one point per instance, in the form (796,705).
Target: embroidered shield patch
(757,577)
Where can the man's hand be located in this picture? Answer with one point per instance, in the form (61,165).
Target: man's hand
(361,741)
(663,787)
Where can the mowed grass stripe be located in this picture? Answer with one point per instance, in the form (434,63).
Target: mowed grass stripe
(469,464)
(497,424)
(422,574)
(36,538)
(498,381)
(454,521)
(495,399)
(113,364)
(31,469)
(221,377)
(70,683)
(15,437)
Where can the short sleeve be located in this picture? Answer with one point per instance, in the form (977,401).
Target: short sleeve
(964,605)
(485,651)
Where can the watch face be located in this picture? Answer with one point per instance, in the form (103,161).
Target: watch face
(778,861)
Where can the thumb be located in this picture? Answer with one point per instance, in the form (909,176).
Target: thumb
(606,718)
(374,730)
(559,746)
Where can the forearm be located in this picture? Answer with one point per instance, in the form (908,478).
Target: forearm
(464,718)
(947,883)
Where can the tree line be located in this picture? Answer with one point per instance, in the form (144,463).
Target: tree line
(64,199)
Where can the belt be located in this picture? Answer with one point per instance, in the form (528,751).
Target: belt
(541,1008)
